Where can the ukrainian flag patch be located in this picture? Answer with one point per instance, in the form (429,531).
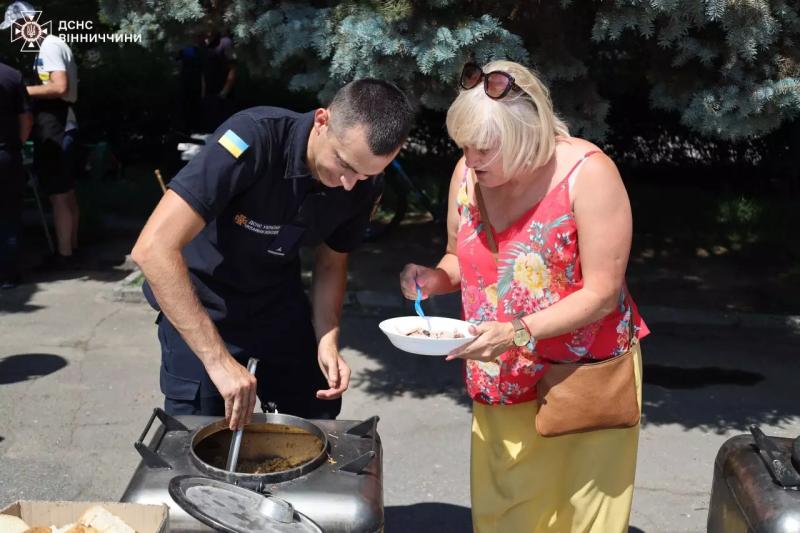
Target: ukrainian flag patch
(233,143)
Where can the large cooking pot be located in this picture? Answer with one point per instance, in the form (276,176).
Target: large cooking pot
(275,448)
(327,474)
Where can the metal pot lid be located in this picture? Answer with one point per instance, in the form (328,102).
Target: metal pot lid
(234,509)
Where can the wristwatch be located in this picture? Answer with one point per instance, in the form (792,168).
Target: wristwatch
(522,335)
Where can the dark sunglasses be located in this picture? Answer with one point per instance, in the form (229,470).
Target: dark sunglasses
(496,84)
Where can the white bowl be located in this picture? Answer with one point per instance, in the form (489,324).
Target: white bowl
(398,328)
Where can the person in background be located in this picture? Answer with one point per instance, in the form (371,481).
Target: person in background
(218,79)
(16,122)
(55,135)
(190,110)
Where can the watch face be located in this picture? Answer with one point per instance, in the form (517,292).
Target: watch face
(521,337)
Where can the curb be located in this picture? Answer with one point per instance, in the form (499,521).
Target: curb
(379,303)
(697,317)
(125,290)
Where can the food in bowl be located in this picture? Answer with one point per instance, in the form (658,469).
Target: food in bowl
(430,335)
(422,332)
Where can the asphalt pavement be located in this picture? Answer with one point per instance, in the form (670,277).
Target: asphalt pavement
(79,378)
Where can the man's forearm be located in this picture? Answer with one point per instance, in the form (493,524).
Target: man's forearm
(229,81)
(25,126)
(46,92)
(327,294)
(168,276)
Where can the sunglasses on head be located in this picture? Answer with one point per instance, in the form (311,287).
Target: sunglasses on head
(496,84)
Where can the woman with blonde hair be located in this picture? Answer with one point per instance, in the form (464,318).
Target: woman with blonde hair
(539,232)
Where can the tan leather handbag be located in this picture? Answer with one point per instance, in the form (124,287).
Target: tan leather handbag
(579,397)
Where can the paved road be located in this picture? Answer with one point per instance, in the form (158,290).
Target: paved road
(78,379)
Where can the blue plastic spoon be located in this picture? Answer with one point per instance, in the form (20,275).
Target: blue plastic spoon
(417,305)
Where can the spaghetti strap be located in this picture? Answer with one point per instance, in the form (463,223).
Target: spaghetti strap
(573,173)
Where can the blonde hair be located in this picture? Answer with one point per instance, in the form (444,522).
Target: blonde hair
(523,125)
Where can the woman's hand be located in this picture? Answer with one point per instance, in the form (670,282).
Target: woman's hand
(413,275)
(493,339)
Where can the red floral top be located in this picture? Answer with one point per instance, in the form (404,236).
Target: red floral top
(537,265)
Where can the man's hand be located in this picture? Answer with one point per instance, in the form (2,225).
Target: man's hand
(237,386)
(335,370)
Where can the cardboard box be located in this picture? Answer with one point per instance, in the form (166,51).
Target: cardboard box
(142,518)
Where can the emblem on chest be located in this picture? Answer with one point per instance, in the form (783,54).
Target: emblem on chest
(249,224)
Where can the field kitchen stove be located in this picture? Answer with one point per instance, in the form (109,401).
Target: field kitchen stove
(303,475)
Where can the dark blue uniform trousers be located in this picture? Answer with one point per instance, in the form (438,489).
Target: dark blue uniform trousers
(288,373)
(11,191)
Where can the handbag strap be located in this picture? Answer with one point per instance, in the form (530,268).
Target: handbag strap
(485,218)
(634,339)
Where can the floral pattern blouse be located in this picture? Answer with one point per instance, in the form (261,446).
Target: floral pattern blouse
(537,265)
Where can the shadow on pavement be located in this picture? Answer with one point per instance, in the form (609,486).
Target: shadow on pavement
(718,378)
(23,367)
(435,517)
(102,260)
(673,377)
(16,300)
(400,373)
(428,517)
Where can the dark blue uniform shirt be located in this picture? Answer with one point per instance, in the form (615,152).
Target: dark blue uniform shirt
(13,102)
(252,186)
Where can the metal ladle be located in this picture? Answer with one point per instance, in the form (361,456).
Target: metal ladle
(236,442)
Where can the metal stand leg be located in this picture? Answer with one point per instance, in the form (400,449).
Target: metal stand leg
(33,183)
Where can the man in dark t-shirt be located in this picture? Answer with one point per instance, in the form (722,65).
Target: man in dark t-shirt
(220,253)
(218,63)
(16,122)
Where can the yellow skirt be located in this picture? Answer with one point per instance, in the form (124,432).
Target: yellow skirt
(522,482)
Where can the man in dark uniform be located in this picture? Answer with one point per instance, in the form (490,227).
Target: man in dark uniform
(220,253)
(16,122)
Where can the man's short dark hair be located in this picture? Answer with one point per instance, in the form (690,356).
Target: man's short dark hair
(378,105)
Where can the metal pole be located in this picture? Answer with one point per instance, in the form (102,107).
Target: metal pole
(236,442)
(33,182)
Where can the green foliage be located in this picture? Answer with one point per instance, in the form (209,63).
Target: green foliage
(740,211)
(729,69)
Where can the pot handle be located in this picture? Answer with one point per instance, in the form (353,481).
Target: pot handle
(782,473)
(368,429)
(151,458)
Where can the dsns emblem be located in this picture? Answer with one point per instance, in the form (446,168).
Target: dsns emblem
(240,220)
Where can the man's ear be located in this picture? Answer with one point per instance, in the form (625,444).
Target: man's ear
(321,118)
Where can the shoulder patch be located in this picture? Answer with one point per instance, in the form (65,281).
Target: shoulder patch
(233,143)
